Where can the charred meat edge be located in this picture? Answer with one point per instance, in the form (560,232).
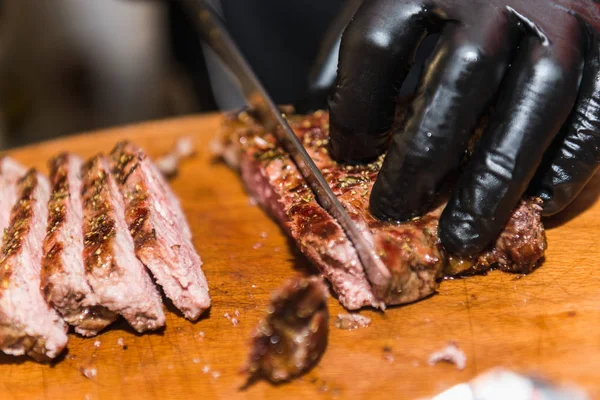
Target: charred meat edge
(161,243)
(28,325)
(64,284)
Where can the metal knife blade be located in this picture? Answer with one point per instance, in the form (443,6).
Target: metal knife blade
(216,36)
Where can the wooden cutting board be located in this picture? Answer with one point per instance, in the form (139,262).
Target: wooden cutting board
(547,323)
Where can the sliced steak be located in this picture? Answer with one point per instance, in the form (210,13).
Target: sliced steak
(118,279)
(28,325)
(64,283)
(410,251)
(159,230)
(10,172)
(292,336)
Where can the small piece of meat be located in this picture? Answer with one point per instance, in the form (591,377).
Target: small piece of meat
(114,273)
(451,354)
(292,336)
(351,322)
(10,172)
(168,163)
(411,252)
(28,325)
(64,284)
(161,242)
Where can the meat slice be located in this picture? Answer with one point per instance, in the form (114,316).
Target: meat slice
(160,232)
(318,235)
(28,325)
(292,336)
(115,275)
(410,251)
(10,172)
(64,283)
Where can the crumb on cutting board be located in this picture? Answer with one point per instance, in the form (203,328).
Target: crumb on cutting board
(89,372)
(168,163)
(451,354)
(387,354)
(350,322)
(234,321)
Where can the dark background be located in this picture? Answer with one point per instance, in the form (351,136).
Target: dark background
(68,66)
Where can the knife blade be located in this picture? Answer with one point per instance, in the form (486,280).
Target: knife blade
(215,34)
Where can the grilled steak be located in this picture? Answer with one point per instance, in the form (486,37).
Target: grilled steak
(160,232)
(27,323)
(10,172)
(115,275)
(293,334)
(64,283)
(410,251)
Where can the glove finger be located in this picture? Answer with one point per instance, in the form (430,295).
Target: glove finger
(459,83)
(576,157)
(538,94)
(376,52)
(324,71)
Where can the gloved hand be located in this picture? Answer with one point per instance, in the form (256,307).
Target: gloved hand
(537,61)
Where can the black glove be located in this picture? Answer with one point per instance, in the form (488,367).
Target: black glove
(536,61)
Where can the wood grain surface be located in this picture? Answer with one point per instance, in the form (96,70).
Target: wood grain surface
(547,323)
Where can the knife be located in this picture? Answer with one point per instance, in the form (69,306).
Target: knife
(215,34)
